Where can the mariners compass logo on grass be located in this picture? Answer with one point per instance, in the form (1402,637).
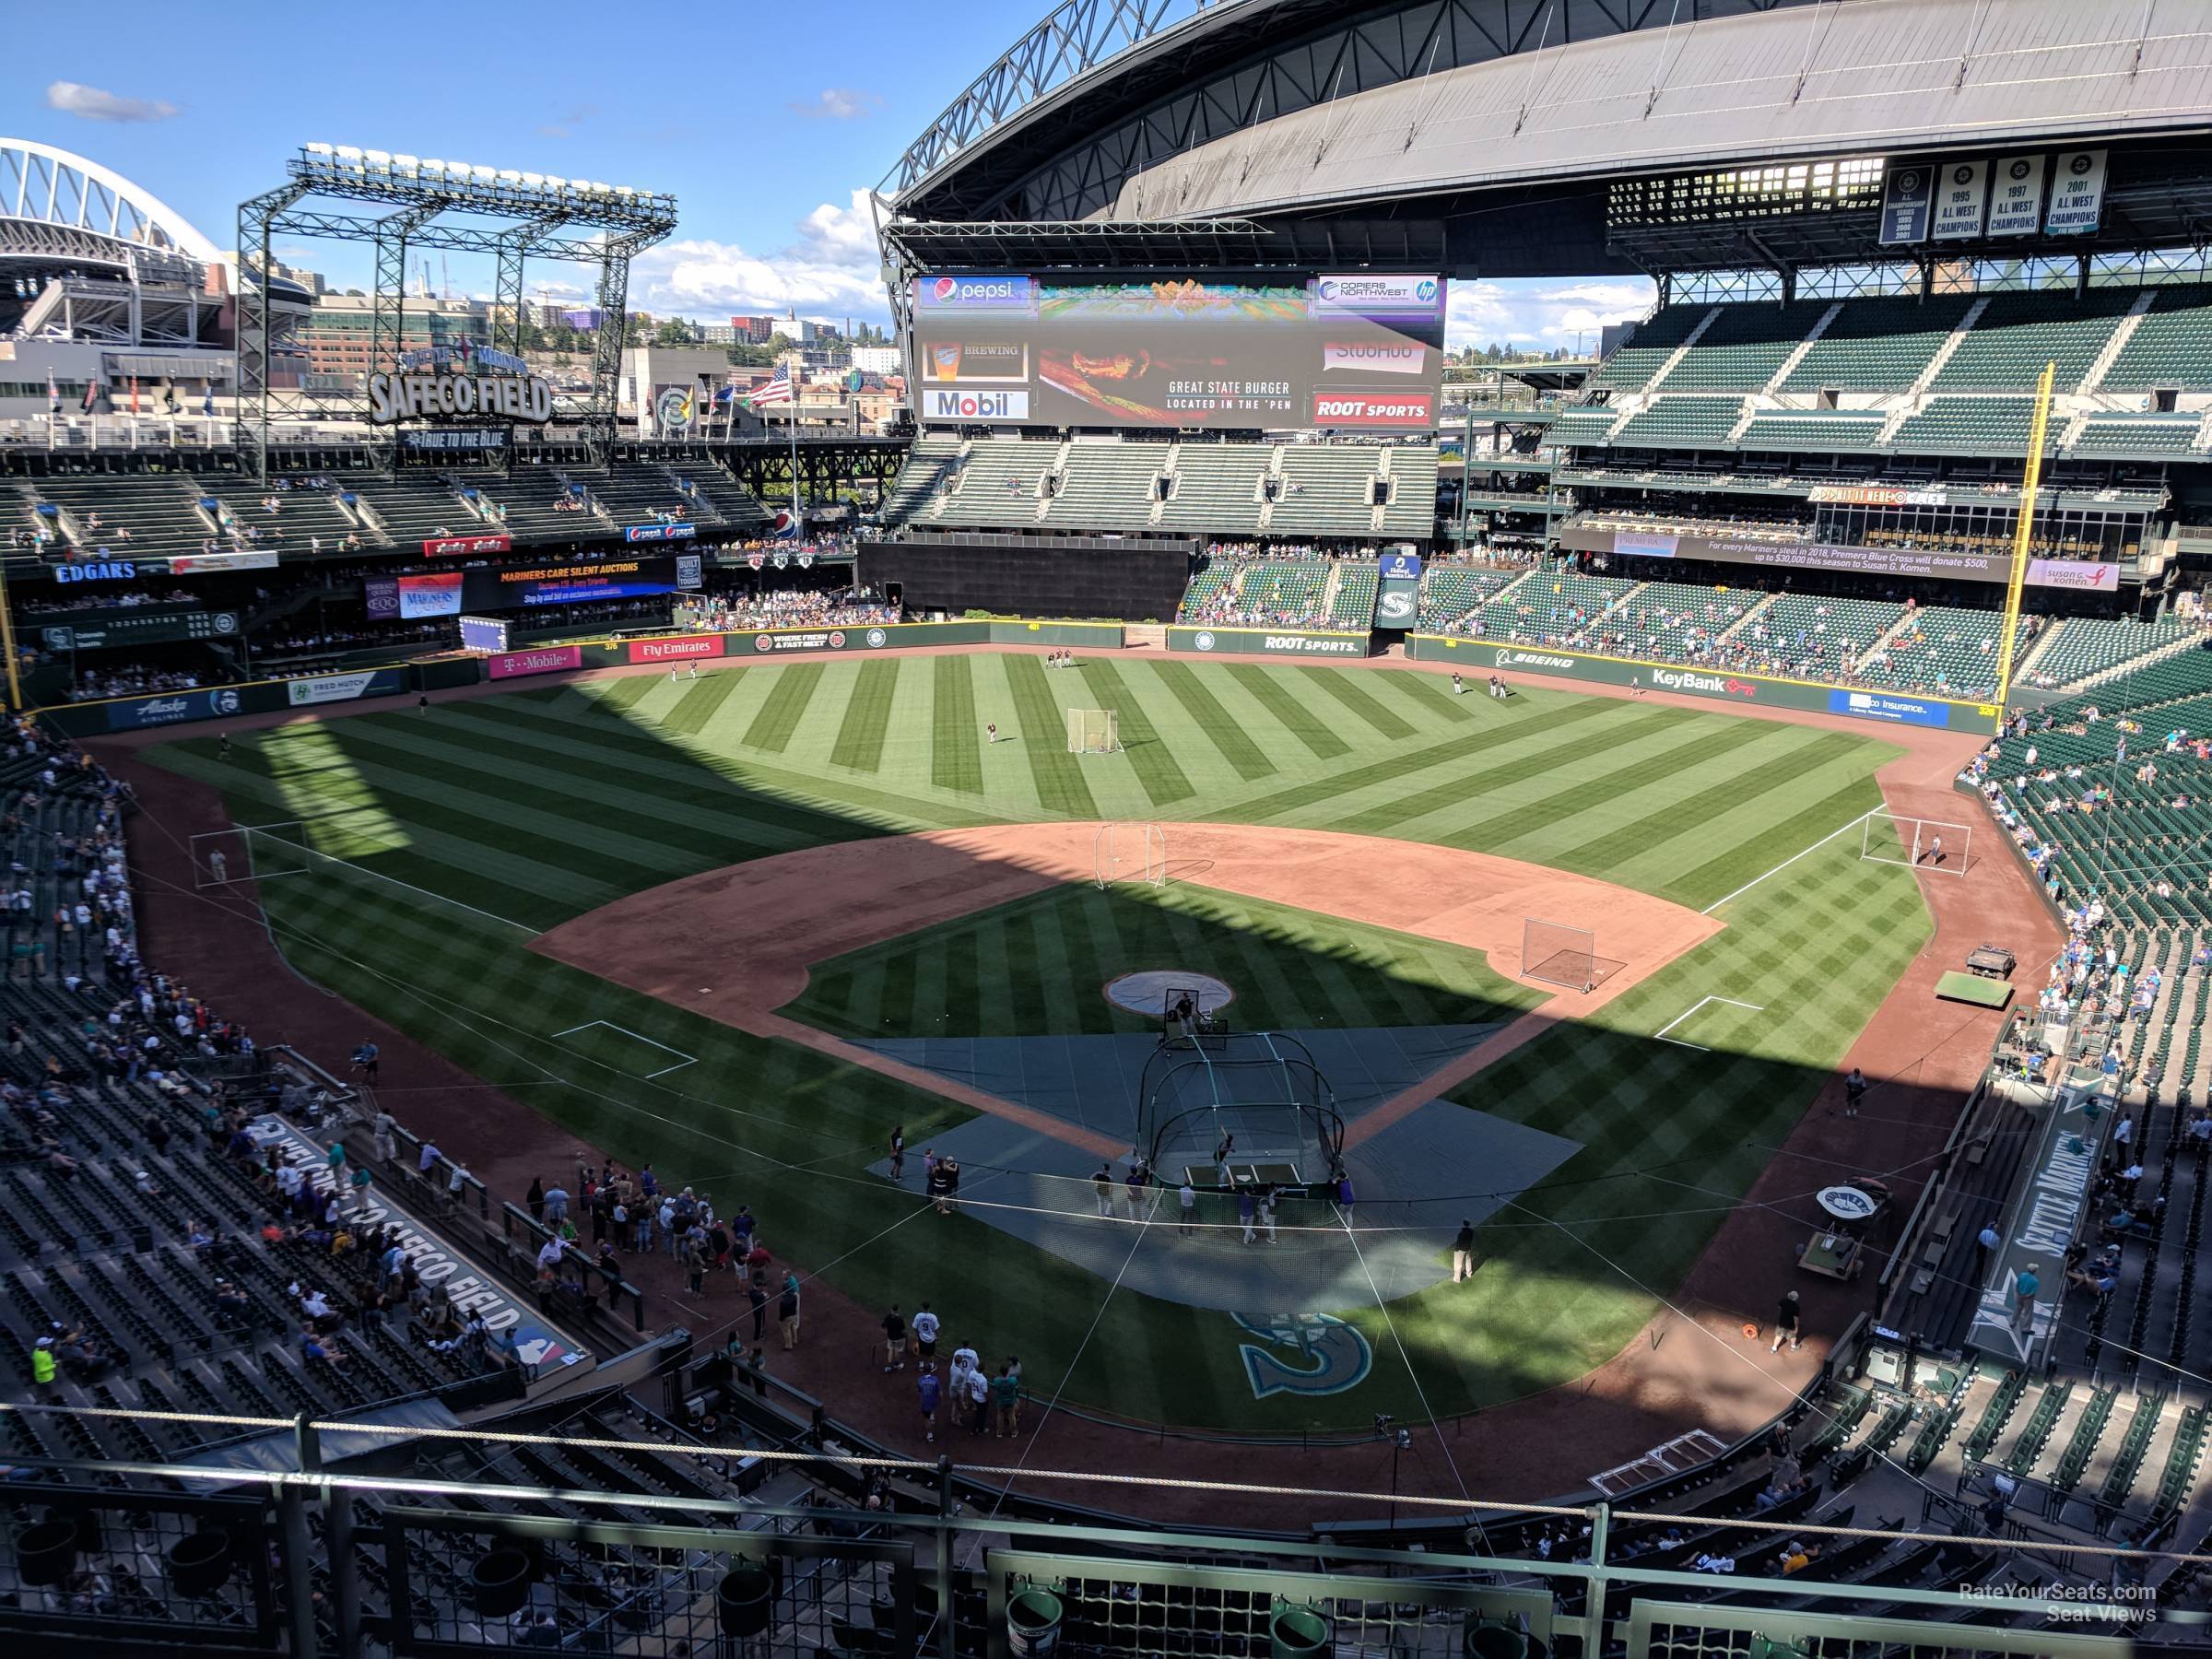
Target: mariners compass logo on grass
(1306,1354)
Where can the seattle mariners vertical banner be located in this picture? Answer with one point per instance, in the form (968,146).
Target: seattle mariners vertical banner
(1398,593)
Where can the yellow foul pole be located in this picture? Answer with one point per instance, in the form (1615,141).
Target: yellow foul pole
(2022,529)
(8,644)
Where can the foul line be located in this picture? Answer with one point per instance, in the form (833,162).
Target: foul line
(635,1037)
(1792,858)
(1662,1032)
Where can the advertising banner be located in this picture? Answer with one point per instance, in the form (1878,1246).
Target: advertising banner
(99,630)
(446,547)
(655,533)
(101,569)
(1753,690)
(200,564)
(1261,642)
(675,648)
(1360,349)
(2077,193)
(1400,564)
(1905,196)
(173,707)
(422,596)
(2016,199)
(1876,495)
(449,440)
(379,597)
(1398,590)
(1886,705)
(1961,199)
(549,659)
(345,688)
(1927,562)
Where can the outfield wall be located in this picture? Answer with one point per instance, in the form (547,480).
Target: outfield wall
(1268,641)
(444,673)
(1752,691)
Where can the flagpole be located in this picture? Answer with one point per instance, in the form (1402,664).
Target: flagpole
(798,522)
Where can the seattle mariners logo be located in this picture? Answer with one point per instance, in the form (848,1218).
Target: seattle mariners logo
(1205,641)
(1326,1355)
(225,702)
(876,636)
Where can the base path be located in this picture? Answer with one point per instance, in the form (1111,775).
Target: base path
(671,941)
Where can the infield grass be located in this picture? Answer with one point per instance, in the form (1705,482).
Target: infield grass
(538,805)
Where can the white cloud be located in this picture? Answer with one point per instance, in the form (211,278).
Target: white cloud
(840,103)
(1543,312)
(830,272)
(93,105)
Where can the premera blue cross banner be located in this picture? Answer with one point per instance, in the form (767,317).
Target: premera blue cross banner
(1884,705)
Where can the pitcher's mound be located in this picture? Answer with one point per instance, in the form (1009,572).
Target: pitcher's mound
(1147,993)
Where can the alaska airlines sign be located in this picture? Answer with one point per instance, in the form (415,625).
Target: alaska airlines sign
(394,398)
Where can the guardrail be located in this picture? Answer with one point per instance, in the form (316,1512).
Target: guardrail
(613,1284)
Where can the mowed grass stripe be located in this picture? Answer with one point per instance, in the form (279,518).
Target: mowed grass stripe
(1298,720)
(860,735)
(699,703)
(1384,816)
(1158,773)
(624,693)
(955,756)
(1726,871)
(785,708)
(1058,774)
(1346,690)
(1563,806)
(1385,772)
(1705,804)
(1235,745)
(1429,693)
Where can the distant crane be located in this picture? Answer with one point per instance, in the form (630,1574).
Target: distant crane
(445,272)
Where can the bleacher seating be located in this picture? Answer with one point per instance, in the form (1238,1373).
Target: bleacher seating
(1943,649)
(729,501)
(1654,342)
(1744,347)
(1000,485)
(413,507)
(1326,489)
(2171,345)
(2129,435)
(1678,621)
(932,465)
(1971,426)
(1554,606)
(1584,425)
(1813,636)
(2017,334)
(1107,486)
(1411,511)
(1452,595)
(1216,490)
(1352,605)
(159,513)
(530,504)
(1681,422)
(1812,429)
(304,515)
(1878,344)
(2087,645)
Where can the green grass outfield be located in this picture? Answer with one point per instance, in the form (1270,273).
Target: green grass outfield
(537,806)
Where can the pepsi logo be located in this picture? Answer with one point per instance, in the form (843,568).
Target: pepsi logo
(947,286)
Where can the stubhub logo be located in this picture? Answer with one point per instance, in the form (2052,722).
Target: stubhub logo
(940,404)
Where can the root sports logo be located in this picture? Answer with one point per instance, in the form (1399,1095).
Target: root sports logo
(1408,409)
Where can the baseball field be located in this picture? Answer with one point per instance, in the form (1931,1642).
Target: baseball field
(425,857)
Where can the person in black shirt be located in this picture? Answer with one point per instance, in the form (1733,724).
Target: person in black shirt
(894,1340)
(1463,1254)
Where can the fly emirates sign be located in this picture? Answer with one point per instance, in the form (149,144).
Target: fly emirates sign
(394,397)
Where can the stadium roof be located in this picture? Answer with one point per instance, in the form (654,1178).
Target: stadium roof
(1243,110)
(1169,244)
(57,204)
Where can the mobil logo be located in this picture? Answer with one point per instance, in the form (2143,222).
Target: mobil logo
(939,405)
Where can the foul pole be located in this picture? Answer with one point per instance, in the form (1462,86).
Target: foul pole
(2022,530)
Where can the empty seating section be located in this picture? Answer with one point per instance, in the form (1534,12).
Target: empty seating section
(633,492)
(2087,645)
(2124,435)
(1555,607)
(1453,595)
(1744,348)
(1107,486)
(931,466)
(1584,425)
(1352,605)
(1878,344)
(716,495)
(1817,637)
(2171,345)
(1942,649)
(1634,364)
(1682,422)
(2017,334)
(999,485)
(414,506)
(160,514)
(1971,426)
(529,505)
(1804,429)
(1216,490)
(1412,508)
(1327,489)
(304,516)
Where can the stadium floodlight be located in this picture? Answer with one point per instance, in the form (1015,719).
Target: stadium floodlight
(553,182)
(535,181)
(405,163)
(624,190)
(509,176)
(377,157)
(318,150)
(433,166)
(488,174)
(347,152)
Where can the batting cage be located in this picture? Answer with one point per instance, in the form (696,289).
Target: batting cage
(1231,1109)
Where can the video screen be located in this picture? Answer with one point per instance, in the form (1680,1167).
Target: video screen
(1355,350)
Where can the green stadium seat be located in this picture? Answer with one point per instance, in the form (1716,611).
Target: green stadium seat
(1878,344)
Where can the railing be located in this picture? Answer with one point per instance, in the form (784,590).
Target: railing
(613,1286)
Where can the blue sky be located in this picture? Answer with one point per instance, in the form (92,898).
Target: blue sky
(768,122)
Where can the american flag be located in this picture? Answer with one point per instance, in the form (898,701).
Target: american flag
(778,389)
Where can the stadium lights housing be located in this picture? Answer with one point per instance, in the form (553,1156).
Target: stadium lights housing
(377,175)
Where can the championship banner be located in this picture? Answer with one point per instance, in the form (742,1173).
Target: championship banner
(550,659)
(447,546)
(1906,195)
(344,688)
(675,648)
(2077,193)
